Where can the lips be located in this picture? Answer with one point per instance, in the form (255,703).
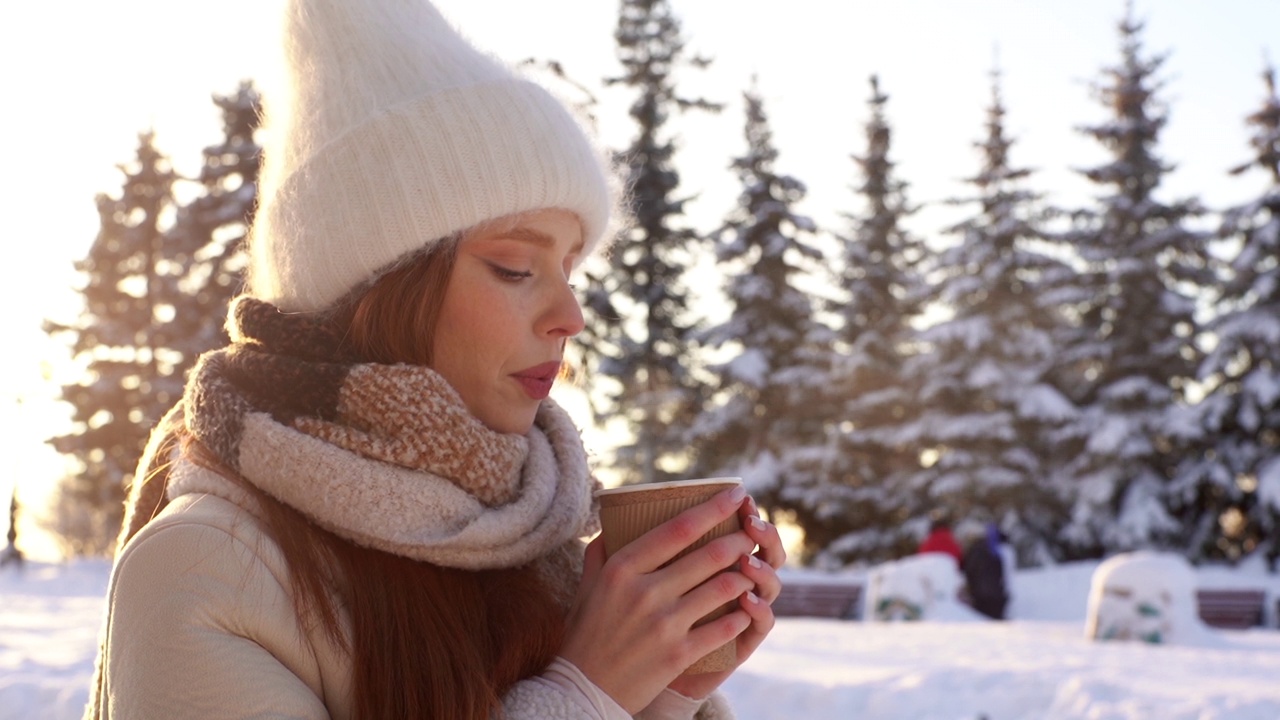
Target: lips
(537,380)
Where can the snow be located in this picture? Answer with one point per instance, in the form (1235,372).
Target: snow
(1037,666)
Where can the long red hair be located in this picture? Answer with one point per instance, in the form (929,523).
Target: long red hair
(425,641)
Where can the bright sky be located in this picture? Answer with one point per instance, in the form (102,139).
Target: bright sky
(83,77)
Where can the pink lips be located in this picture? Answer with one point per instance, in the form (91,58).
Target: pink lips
(537,380)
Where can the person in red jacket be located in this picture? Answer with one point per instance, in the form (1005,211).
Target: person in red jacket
(941,540)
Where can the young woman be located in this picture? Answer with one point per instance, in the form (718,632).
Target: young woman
(366,506)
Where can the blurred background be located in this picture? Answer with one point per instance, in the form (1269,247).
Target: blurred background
(863,305)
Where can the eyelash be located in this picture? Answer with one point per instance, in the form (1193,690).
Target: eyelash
(509,274)
(516,275)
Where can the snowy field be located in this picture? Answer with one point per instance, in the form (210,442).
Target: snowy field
(1035,667)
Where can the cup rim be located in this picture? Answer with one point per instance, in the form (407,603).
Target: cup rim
(647,487)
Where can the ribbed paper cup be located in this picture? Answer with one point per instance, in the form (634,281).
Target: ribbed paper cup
(630,511)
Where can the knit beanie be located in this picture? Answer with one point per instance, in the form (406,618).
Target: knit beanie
(391,131)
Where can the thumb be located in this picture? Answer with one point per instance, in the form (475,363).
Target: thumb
(592,561)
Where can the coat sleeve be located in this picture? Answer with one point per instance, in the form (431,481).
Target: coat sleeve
(199,626)
(562,692)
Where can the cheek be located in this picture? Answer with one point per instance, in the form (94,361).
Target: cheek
(470,334)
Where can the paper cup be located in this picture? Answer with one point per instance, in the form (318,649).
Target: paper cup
(630,511)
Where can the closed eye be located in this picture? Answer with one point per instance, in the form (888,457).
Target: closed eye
(508,274)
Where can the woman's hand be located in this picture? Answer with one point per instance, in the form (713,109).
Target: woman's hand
(631,630)
(761,568)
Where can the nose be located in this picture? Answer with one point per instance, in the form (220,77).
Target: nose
(563,316)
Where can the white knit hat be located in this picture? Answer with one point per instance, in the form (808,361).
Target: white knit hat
(391,132)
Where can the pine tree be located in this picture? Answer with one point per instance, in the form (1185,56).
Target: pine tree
(204,250)
(1233,481)
(158,280)
(1134,353)
(639,320)
(118,401)
(856,512)
(11,555)
(763,407)
(988,409)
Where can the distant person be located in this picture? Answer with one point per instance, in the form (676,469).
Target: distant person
(941,540)
(984,574)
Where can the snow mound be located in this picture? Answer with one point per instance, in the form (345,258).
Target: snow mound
(1147,596)
(919,587)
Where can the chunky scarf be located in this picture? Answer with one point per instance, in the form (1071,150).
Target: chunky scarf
(386,456)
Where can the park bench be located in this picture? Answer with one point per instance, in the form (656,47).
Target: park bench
(1233,609)
(819,599)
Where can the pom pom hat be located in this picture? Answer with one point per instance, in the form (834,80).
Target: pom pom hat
(391,132)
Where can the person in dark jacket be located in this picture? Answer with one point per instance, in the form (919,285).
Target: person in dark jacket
(984,575)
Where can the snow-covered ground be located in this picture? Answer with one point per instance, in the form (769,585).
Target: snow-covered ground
(1037,666)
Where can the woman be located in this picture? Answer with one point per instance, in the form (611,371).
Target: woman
(366,506)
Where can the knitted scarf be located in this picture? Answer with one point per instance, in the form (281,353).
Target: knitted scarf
(386,456)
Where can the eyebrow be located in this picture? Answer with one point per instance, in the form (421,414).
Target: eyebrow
(536,237)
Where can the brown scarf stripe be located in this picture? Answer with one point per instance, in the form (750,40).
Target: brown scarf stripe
(299,335)
(261,373)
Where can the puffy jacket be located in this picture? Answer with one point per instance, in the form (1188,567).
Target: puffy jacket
(201,623)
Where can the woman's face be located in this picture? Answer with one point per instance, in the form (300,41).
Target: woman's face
(506,315)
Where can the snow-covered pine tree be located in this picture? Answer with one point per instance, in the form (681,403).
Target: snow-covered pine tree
(204,250)
(764,405)
(640,322)
(858,512)
(119,398)
(987,408)
(158,279)
(1230,487)
(1134,352)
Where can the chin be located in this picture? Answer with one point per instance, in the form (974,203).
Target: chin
(511,423)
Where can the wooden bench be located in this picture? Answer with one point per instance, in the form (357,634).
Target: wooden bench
(1232,609)
(825,600)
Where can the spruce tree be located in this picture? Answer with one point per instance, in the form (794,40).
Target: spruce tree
(857,511)
(1232,482)
(640,324)
(157,283)
(204,250)
(987,407)
(1134,352)
(764,403)
(124,390)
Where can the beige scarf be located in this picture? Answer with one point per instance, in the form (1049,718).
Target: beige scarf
(386,456)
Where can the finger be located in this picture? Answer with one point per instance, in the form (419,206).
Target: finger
(766,536)
(762,622)
(690,571)
(722,589)
(705,638)
(767,583)
(658,546)
(593,560)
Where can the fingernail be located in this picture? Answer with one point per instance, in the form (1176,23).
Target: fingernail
(753,598)
(757,523)
(737,494)
(754,561)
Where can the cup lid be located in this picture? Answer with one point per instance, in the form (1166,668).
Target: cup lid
(648,487)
